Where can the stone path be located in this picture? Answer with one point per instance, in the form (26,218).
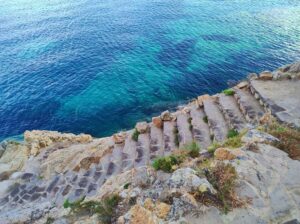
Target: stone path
(203,124)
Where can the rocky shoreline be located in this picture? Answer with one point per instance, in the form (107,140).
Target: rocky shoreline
(51,170)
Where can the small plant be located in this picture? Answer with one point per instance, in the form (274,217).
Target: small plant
(232,133)
(105,208)
(49,220)
(166,163)
(135,135)
(289,139)
(193,149)
(223,177)
(126,186)
(212,148)
(176,136)
(229,92)
(205,119)
(190,120)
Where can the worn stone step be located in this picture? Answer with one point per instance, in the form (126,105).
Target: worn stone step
(169,137)
(200,127)
(156,142)
(142,150)
(249,106)
(216,120)
(184,128)
(129,152)
(234,117)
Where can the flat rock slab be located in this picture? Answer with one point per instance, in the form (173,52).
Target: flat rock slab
(282,97)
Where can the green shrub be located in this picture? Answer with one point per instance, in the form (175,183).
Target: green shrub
(193,149)
(166,163)
(105,209)
(232,133)
(135,135)
(205,119)
(212,148)
(228,92)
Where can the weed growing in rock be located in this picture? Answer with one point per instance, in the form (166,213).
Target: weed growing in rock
(223,177)
(229,92)
(167,163)
(193,149)
(49,220)
(289,139)
(176,136)
(212,148)
(232,133)
(135,135)
(105,209)
(205,119)
(126,186)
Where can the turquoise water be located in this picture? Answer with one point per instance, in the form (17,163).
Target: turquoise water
(100,66)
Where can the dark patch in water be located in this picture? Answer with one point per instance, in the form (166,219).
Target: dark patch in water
(219,38)
(177,55)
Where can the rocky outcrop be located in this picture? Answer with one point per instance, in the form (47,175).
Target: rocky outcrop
(40,139)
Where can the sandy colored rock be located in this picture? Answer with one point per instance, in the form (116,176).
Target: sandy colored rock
(166,116)
(148,204)
(119,138)
(162,209)
(142,127)
(188,198)
(224,154)
(139,215)
(38,139)
(242,85)
(157,122)
(266,75)
(202,98)
(252,76)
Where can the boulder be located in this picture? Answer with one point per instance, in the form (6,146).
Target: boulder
(295,68)
(257,136)
(166,116)
(266,75)
(142,127)
(202,98)
(252,76)
(162,209)
(187,179)
(138,214)
(157,122)
(119,138)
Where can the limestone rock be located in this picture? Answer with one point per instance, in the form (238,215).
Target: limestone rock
(37,139)
(252,76)
(162,209)
(119,138)
(186,178)
(142,127)
(166,116)
(14,157)
(266,75)
(157,122)
(137,214)
(257,136)
(202,98)
(242,85)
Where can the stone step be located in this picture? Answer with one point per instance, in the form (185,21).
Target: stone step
(249,106)
(129,152)
(169,137)
(232,113)
(142,150)
(216,120)
(184,128)
(200,127)
(156,142)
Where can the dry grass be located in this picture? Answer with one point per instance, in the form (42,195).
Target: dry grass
(223,177)
(289,139)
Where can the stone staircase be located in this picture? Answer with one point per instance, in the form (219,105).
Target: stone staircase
(205,120)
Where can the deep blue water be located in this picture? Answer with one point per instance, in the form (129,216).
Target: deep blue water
(99,66)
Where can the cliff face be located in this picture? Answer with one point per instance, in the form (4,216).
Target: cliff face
(38,175)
